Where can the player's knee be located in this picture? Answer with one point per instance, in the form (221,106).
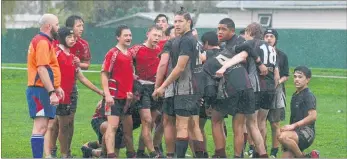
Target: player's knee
(41,129)
(275,126)
(282,138)
(112,128)
(147,120)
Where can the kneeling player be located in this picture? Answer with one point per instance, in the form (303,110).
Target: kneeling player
(99,124)
(299,135)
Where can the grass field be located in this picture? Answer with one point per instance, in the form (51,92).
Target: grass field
(331,126)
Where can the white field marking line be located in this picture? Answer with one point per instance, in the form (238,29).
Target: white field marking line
(21,68)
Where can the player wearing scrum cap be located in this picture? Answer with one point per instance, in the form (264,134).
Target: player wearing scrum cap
(278,113)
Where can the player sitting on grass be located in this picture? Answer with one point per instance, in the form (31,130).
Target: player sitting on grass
(299,135)
(68,71)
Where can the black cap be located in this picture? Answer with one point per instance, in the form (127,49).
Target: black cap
(63,33)
(306,71)
(271,31)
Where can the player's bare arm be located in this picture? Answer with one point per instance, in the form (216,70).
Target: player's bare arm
(176,72)
(311,117)
(163,64)
(84,65)
(242,56)
(104,83)
(88,84)
(277,76)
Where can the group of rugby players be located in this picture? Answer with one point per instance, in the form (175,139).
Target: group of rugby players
(171,84)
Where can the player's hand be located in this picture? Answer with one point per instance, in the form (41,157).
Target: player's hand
(155,95)
(60,93)
(161,91)
(288,128)
(109,100)
(136,77)
(220,72)
(101,93)
(129,99)
(263,70)
(54,100)
(76,61)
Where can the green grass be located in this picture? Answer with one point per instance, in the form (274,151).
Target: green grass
(331,134)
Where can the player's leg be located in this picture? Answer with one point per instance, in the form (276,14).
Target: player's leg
(127,123)
(73,108)
(116,111)
(158,134)
(262,115)
(274,117)
(181,136)
(169,124)
(290,140)
(197,138)
(63,136)
(54,137)
(40,111)
(187,108)
(253,130)
(217,121)
(238,124)
(146,119)
(48,137)
(250,107)
(141,148)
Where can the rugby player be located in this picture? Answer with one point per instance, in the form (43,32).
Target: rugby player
(164,69)
(300,134)
(146,64)
(117,82)
(44,83)
(69,72)
(253,31)
(82,59)
(186,88)
(226,35)
(162,21)
(278,113)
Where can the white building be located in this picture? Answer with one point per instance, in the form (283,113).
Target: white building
(288,14)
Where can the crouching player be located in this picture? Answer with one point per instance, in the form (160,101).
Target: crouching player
(299,135)
(99,124)
(68,71)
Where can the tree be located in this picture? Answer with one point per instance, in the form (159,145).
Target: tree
(6,12)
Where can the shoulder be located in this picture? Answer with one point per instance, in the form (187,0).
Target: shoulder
(83,41)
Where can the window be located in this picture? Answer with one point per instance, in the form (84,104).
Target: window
(265,20)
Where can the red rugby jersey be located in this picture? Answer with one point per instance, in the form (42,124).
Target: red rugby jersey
(161,44)
(80,49)
(68,72)
(120,68)
(97,113)
(147,61)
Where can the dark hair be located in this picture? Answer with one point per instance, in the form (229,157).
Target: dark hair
(186,16)
(306,71)
(242,32)
(161,15)
(229,22)
(154,27)
(255,30)
(120,28)
(63,32)
(168,30)
(70,21)
(210,37)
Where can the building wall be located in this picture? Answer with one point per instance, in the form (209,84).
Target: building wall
(294,19)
